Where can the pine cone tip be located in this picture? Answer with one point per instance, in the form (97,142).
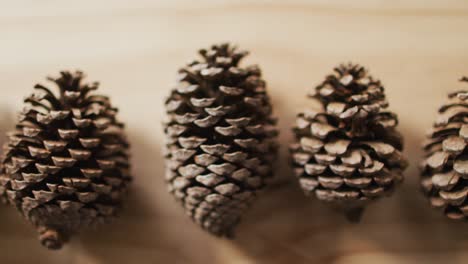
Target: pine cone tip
(223,54)
(71,81)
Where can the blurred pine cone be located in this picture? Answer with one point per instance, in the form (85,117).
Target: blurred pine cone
(220,138)
(445,168)
(65,167)
(349,153)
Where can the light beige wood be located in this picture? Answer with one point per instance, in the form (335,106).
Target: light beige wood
(418,49)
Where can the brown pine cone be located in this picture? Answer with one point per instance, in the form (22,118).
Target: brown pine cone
(221,138)
(348,153)
(445,168)
(65,167)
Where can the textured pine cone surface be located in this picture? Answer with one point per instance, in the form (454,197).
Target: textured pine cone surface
(445,168)
(348,153)
(221,138)
(66,166)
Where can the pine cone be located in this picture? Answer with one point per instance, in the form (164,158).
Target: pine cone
(445,168)
(65,167)
(349,153)
(220,138)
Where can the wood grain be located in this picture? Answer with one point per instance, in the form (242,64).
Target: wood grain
(418,49)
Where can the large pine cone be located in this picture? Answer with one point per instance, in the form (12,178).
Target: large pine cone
(445,169)
(65,167)
(349,153)
(221,138)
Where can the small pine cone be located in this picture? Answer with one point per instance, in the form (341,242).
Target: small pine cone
(445,168)
(348,153)
(65,167)
(221,138)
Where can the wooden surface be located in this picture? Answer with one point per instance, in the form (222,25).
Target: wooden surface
(418,49)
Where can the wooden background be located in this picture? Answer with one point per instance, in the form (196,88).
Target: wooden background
(418,48)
